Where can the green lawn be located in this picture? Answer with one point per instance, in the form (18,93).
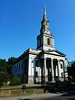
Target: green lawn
(21,88)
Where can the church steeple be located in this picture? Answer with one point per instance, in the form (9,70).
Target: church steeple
(45,24)
(45,41)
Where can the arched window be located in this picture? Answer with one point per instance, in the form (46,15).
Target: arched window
(48,41)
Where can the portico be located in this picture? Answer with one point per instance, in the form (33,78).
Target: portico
(54,64)
(53,68)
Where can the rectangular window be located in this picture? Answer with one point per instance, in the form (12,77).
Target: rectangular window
(48,41)
(15,67)
(22,66)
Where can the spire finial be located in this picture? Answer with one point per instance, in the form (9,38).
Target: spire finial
(44,16)
(44,10)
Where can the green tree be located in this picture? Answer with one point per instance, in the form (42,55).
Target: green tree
(15,81)
(10,60)
(4,77)
(71,64)
(71,69)
(10,63)
(6,69)
(3,65)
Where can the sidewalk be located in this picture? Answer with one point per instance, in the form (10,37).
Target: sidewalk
(36,96)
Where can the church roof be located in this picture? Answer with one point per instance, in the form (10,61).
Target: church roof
(25,54)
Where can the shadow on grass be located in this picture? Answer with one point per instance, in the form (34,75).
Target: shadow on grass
(59,87)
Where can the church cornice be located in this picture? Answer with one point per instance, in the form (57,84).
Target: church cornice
(45,34)
(46,46)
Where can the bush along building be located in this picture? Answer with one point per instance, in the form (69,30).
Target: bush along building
(43,64)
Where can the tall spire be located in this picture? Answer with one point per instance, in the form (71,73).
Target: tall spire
(44,16)
(45,24)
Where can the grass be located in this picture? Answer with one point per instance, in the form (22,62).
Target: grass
(10,89)
(21,88)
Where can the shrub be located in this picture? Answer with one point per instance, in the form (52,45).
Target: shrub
(4,77)
(15,81)
(4,84)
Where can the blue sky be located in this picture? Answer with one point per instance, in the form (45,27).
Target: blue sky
(20,23)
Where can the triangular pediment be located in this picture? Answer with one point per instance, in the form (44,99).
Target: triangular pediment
(52,52)
(55,52)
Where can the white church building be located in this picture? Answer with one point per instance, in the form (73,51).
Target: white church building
(44,63)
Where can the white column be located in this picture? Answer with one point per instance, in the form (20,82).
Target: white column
(29,71)
(52,70)
(29,67)
(59,72)
(45,69)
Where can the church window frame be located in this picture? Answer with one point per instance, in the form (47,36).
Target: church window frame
(15,67)
(19,66)
(48,41)
(22,65)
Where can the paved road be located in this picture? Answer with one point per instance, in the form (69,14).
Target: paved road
(63,97)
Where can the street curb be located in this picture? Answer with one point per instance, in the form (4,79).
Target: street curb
(46,97)
(49,95)
(32,97)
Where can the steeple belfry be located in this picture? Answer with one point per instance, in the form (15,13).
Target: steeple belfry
(45,24)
